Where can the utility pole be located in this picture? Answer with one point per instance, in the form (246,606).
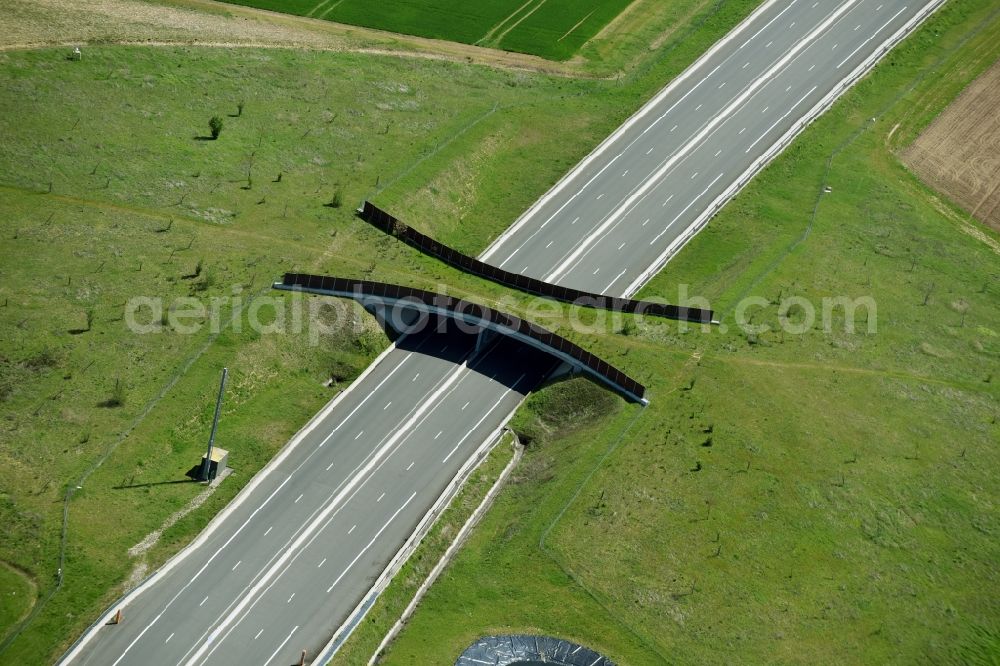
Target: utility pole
(205,466)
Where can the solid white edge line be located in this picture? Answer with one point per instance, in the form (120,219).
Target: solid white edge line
(632,289)
(638,115)
(322,516)
(200,571)
(874,34)
(291,562)
(283,643)
(214,524)
(691,144)
(372,541)
(607,166)
(496,404)
(453,548)
(780,120)
(411,544)
(687,208)
(821,107)
(404,553)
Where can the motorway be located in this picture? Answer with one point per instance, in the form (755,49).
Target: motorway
(322,523)
(616,219)
(291,558)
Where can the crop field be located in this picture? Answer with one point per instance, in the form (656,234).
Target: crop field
(553,29)
(959,154)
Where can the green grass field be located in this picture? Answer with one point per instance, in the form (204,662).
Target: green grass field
(844,493)
(137,203)
(17,595)
(108,191)
(553,29)
(817,498)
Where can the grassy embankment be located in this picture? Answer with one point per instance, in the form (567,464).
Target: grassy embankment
(140,207)
(17,595)
(108,192)
(817,497)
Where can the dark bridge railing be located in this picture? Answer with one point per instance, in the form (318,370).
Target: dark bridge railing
(468,310)
(380,219)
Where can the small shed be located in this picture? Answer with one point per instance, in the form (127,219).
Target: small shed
(220,459)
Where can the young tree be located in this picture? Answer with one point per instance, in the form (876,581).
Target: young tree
(215,124)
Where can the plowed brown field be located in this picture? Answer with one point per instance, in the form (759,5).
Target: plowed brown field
(959,153)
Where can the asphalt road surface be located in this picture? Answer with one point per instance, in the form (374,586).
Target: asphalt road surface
(619,215)
(324,522)
(290,560)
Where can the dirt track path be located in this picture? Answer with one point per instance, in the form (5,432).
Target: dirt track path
(26,24)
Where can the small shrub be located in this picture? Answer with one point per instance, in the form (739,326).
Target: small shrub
(206,282)
(43,360)
(215,124)
(337,201)
(342,371)
(117,398)
(562,408)
(7,379)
